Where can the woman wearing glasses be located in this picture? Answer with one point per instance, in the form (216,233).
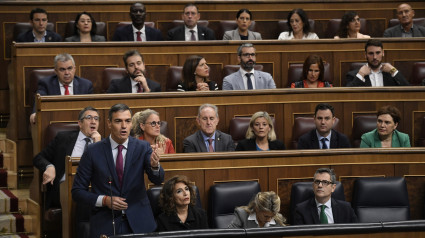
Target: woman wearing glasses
(195,75)
(385,134)
(260,135)
(84,29)
(262,211)
(244,20)
(146,126)
(350,26)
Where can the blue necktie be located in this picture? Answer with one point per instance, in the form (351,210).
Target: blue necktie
(249,82)
(324,146)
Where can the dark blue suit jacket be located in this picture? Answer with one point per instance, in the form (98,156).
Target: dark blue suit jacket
(29,37)
(310,141)
(97,166)
(123,85)
(50,86)
(306,212)
(177,33)
(125,33)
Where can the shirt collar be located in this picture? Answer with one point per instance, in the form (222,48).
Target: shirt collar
(115,144)
(243,72)
(253,217)
(188,29)
(328,204)
(81,137)
(206,137)
(70,85)
(327,137)
(136,30)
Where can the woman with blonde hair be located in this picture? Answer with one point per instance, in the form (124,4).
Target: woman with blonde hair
(146,126)
(260,135)
(262,211)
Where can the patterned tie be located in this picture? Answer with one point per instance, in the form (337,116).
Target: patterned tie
(323,140)
(66,89)
(248,77)
(119,164)
(139,88)
(210,147)
(192,37)
(323,217)
(139,38)
(87,143)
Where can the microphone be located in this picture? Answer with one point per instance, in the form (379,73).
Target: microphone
(112,210)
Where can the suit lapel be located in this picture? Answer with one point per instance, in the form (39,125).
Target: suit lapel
(72,139)
(314,140)
(367,81)
(56,88)
(128,159)
(110,161)
(313,211)
(258,81)
(201,142)
(335,210)
(201,34)
(127,85)
(334,140)
(76,85)
(218,144)
(239,81)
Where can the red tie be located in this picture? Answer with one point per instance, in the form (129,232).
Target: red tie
(66,89)
(118,164)
(138,36)
(139,88)
(210,147)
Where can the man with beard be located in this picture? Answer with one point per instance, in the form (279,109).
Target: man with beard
(38,32)
(375,73)
(137,31)
(406,28)
(247,78)
(322,208)
(135,81)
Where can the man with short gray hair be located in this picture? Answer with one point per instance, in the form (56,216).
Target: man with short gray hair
(208,138)
(64,82)
(246,78)
(322,208)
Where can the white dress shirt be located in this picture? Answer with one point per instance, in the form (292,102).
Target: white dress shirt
(143,35)
(245,79)
(188,34)
(328,209)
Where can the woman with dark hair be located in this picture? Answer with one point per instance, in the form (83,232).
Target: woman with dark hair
(262,211)
(84,29)
(146,125)
(177,200)
(299,27)
(386,135)
(313,71)
(195,75)
(244,20)
(260,135)
(350,26)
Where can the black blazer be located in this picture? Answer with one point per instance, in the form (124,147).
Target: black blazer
(306,212)
(310,141)
(29,37)
(249,145)
(126,33)
(211,84)
(352,80)
(61,146)
(123,85)
(195,142)
(177,33)
(196,219)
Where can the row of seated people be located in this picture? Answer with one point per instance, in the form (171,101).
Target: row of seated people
(260,136)
(177,204)
(191,28)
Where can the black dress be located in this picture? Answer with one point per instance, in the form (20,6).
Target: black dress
(196,219)
(249,144)
(211,84)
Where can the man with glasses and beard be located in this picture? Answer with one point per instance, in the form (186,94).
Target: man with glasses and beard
(246,78)
(375,73)
(135,81)
(322,208)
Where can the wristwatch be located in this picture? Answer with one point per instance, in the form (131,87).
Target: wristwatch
(393,70)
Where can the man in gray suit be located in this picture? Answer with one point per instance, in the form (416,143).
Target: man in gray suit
(246,78)
(406,28)
(208,139)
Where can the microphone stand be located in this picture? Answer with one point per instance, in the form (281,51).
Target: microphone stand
(112,210)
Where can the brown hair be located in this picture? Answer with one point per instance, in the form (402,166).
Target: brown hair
(166,198)
(313,59)
(392,111)
(266,202)
(189,69)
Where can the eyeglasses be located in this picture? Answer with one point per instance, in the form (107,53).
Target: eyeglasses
(248,54)
(90,117)
(324,182)
(154,123)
